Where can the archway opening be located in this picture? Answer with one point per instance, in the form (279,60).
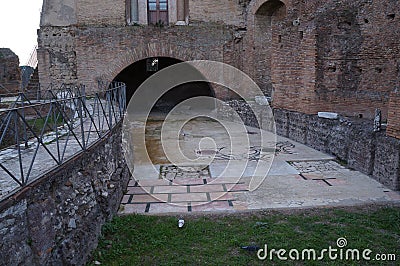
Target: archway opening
(267,37)
(135,74)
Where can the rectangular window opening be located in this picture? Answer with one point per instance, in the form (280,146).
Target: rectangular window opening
(157,12)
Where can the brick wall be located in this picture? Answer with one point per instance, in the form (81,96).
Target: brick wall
(340,56)
(310,55)
(358,45)
(101,13)
(10,74)
(87,54)
(224,11)
(393,129)
(107,12)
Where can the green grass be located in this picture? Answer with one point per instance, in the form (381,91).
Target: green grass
(38,124)
(217,239)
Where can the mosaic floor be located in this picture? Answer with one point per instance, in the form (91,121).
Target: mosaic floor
(220,177)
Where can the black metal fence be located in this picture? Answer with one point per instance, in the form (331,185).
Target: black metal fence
(41,132)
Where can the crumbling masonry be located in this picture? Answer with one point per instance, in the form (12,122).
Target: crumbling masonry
(309,56)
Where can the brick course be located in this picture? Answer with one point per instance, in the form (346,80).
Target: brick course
(311,56)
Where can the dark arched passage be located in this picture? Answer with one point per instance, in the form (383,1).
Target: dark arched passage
(135,74)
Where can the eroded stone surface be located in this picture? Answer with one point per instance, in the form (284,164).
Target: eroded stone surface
(298,177)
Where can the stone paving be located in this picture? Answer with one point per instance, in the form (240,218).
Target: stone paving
(221,179)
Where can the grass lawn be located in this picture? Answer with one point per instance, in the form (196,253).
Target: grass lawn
(217,239)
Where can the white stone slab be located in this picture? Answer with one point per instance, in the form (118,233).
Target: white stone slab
(328,115)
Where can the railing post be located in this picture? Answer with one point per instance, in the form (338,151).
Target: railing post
(25,136)
(81,121)
(109,108)
(16,130)
(83,93)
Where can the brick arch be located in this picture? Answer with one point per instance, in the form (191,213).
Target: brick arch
(125,59)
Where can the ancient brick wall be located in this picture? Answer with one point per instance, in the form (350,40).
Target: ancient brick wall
(101,13)
(89,54)
(10,73)
(327,56)
(57,219)
(358,52)
(231,12)
(57,56)
(393,129)
(310,56)
(281,53)
(92,12)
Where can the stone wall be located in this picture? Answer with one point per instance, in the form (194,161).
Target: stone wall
(351,140)
(57,56)
(10,73)
(57,219)
(393,129)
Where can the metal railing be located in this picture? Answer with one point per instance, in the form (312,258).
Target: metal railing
(39,134)
(33,60)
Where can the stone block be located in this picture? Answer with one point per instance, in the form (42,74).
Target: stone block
(362,152)
(297,127)
(328,115)
(281,122)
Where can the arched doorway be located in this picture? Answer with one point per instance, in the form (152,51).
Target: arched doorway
(267,27)
(135,74)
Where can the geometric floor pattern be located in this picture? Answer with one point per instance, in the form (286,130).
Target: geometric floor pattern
(191,195)
(299,177)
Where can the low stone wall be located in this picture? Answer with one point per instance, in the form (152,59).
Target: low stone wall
(351,141)
(57,219)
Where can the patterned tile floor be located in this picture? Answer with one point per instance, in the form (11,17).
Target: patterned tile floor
(151,196)
(298,176)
